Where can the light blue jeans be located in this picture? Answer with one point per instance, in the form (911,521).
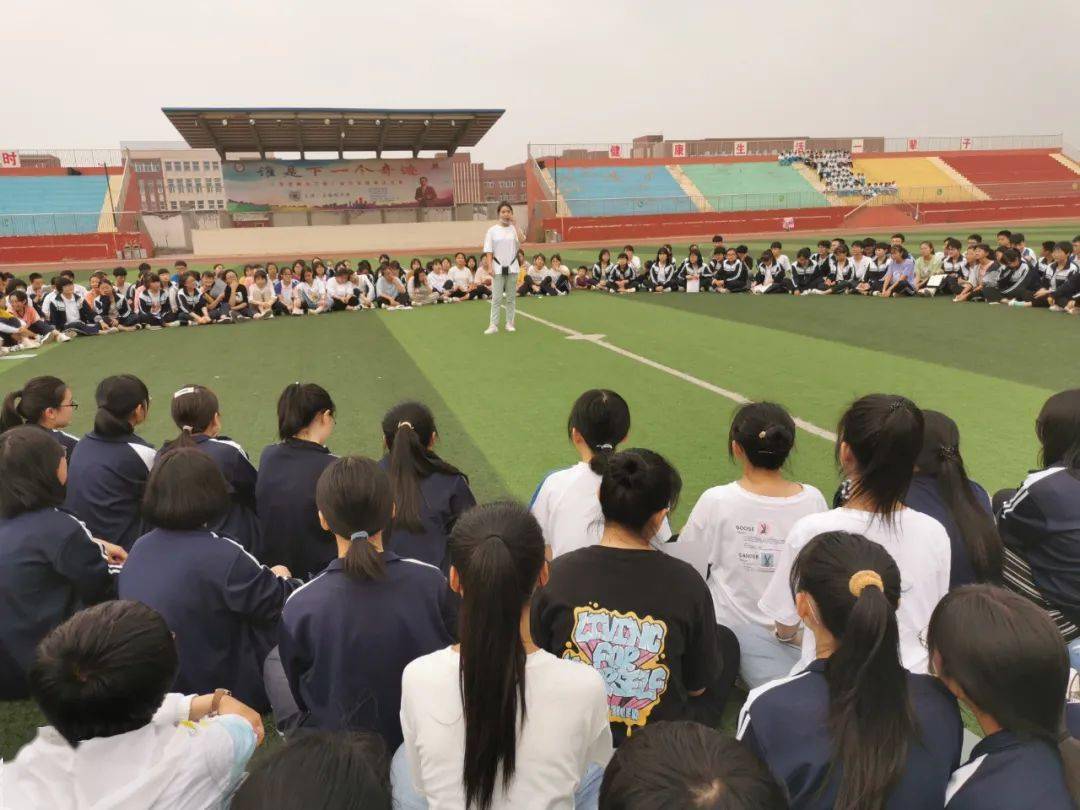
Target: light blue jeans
(762,657)
(407,797)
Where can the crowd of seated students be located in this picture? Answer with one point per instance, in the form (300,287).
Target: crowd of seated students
(418,648)
(836,171)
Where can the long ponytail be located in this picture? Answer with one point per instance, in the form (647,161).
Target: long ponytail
(940,458)
(193,410)
(117,399)
(28,404)
(408,429)
(353,496)
(855,586)
(498,553)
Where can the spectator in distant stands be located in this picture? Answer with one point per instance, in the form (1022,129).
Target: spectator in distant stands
(684,765)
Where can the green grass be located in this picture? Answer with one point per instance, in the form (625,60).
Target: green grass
(501,402)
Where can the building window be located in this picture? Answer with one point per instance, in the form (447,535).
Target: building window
(173,205)
(187,166)
(168,165)
(160,188)
(171,185)
(189,186)
(200,205)
(206,165)
(217,166)
(217,184)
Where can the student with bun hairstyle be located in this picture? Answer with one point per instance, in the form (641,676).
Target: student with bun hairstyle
(854,730)
(1040,522)
(878,441)
(196,411)
(289,529)
(942,490)
(49,564)
(223,606)
(44,402)
(1011,673)
(429,494)
(110,464)
(624,601)
(343,668)
(495,722)
(743,526)
(687,766)
(566,502)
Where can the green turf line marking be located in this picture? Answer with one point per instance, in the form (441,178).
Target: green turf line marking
(734,396)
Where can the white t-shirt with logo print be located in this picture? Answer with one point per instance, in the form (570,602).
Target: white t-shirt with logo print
(744,534)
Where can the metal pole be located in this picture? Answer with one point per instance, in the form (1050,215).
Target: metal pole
(108,191)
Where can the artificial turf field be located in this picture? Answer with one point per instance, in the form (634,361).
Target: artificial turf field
(501,402)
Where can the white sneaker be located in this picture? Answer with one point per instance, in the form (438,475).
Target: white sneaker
(491,330)
(62,337)
(50,337)
(510,328)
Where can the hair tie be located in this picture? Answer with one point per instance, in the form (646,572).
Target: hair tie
(187,428)
(183,392)
(860,579)
(949,451)
(359,536)
(761,435)
(896,405)
(402,424)
(605,446)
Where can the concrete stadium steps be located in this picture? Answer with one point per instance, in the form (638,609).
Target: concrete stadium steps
(107,218)
(692,191)
(546,173)
(60,204)
(1067,162)
(754,185)
(915,177)
(621,190)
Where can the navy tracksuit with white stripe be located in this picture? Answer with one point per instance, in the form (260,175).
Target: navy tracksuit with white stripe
(344,642)
(222,605)
(49,568)
(106,479)
(1006,772)
(240,522)
(785,722)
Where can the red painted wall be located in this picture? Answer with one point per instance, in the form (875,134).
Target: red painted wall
(68,247)
(1003,210)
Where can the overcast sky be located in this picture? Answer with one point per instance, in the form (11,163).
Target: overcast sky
(89,74)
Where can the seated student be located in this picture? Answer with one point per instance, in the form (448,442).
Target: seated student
(50,565)
(678,764)
(582,279)
(983,273)
(478,718)
(1046,259)
(346,637)
(286,295)
(190,302)
(899,274)
(559,274)
(365,283)
(535,281)
(695,268)
(1062,280)
(716,273)
(196,412)
(21,307)
(15,334)
(843,271)
(429,494)
(602,269)
(153,307)
(954,268)
(873,279)
(312,293)
(289,529)
(439,278)
(662,601)
(420,292)
(854,730)
(1003,238)
(1011,673)
(168,287)
(927,266)
(67,311)
(111,312)
(621,276)
(806,279)
(117,737)
(822,259)
(769,279)
(461,278)
(110,464)
(743,524)
(390,292)
(733,273)
(341,292)
(662,274)
(211,300)
(261,295)
(482,278)
(234,300)
(1017,282)
(327,770)
(220,602)
(45,402)
(941,489)
(880,438)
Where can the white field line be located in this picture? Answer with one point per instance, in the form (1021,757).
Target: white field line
(734,396)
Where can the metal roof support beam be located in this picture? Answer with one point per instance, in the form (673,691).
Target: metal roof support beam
(420,138)
(258,141)
(462,131)
(299,136)
(382,137)
(201,124)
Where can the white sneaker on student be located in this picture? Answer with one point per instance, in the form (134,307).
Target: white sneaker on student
(491,330)
(510,328)
(62,337)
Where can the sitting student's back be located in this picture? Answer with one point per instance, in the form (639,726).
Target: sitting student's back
(118,740)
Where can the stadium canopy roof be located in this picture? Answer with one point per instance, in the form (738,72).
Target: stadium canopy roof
(329,129)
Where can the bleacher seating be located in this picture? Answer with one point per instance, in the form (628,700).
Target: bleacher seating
(621,191)
(752,186)
(1017,174)
(64,204)
(919,179)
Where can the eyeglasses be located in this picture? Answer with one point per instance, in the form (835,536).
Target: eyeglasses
(73,405)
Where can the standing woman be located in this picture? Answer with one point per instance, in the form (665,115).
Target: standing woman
(110,464)
(343,669)
(196,412)
(942,490)
(878,440)
(45,402)
(1011,672)
(429,494)
(289,529)
(854,730)
(495,722)
(502,245)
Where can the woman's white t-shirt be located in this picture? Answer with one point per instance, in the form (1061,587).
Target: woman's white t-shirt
(921,549)
(744,534)
(501,241)
(567,506)
(566,730)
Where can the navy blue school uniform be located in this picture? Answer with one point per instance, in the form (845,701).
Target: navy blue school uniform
(222,605)
(443,499)
(925,496)
(344,642)
(289,530)
(66,440)
(240,522)
(106,479)
(1006,772)
(1072,719)
(50,567)
(786,724)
